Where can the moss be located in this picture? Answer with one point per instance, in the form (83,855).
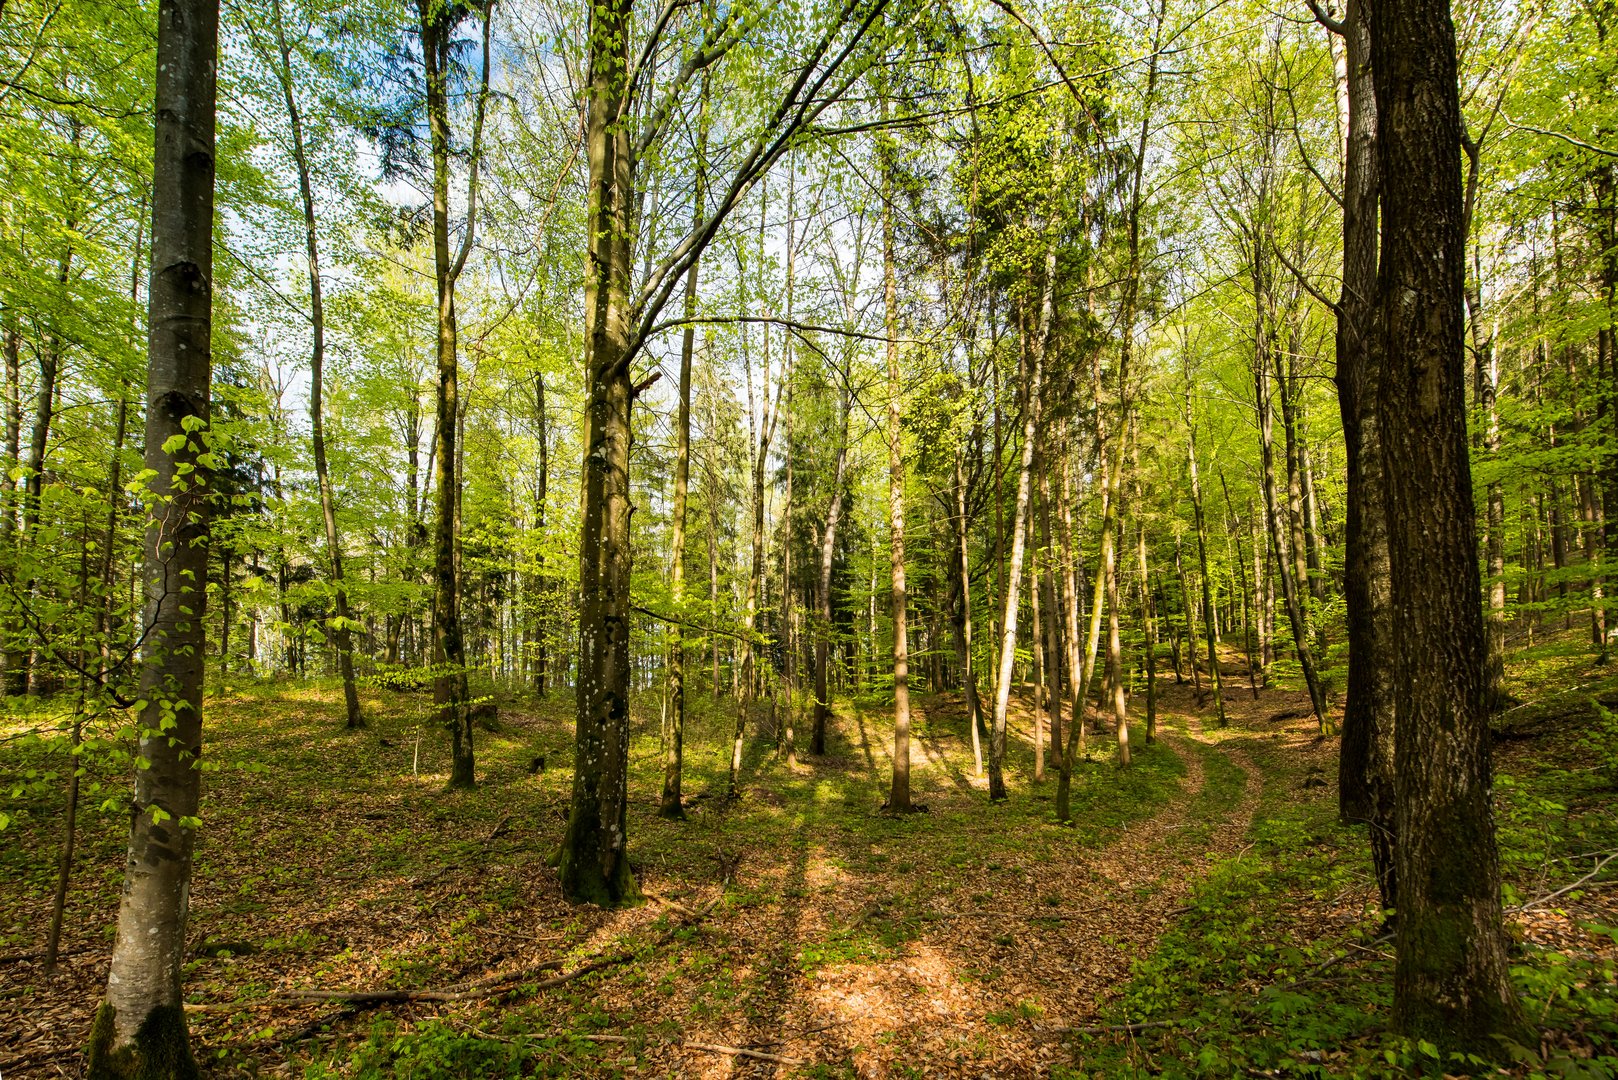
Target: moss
(584,882)
(161,1049)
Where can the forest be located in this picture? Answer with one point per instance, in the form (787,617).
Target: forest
(832,538)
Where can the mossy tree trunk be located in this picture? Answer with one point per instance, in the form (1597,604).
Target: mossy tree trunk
(1451,981)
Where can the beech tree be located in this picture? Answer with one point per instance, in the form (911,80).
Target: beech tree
(140,1027)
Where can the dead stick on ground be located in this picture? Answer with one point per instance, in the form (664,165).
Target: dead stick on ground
(490,987)
(383,997)
(1102,1029)
(711,1048)
(1548,897)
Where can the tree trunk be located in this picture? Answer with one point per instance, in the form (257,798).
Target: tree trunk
(1034,371)
(140,1027)
(828,550)
(1263,367)
(1451,982)
(341,634)
(594,859)
(1202,561)
(1070,590)
(449,649)
(13,677)
(963,615)
(1365,768)
(1050,633)
(899,793)
(671,805)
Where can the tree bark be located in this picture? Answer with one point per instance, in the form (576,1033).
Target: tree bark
(671,805)
(828,551)
(1451,982)
(1365,767)
(594,860)
(140,1027)
(1214,680)
(1263,366)
(963,614)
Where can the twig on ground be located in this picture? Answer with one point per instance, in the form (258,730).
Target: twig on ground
(1548,897)
(740,1051)
(1103,1029)
(676,905)
(488,988)
(492,986)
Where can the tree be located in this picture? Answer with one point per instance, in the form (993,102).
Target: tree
(438,21)
(1451,982)
(140,1027)
(593,860)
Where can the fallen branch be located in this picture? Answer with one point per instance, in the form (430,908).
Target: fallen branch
(1103,1029)
(1548,897)
(492,986)
(676,905)
(498,984)
(711,1048)
(740,1051)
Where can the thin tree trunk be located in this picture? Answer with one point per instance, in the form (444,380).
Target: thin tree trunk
(449,649)
(341,634)
(671,804)
(963,615)
(899,793)
(1034,372)
(1263,365)
(1187,607)
(1070,589)
(1050,634)
(823,629)
(1202,562)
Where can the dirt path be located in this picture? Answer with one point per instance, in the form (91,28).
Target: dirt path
(976,991)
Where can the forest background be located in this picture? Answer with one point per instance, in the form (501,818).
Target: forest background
(988,354)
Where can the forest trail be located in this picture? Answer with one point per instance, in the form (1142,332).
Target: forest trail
(799,922)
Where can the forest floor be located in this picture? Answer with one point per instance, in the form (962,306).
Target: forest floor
(1207,891)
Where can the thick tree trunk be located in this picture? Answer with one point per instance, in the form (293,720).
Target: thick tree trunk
(594,860)
(1451,982)
(140,1028)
